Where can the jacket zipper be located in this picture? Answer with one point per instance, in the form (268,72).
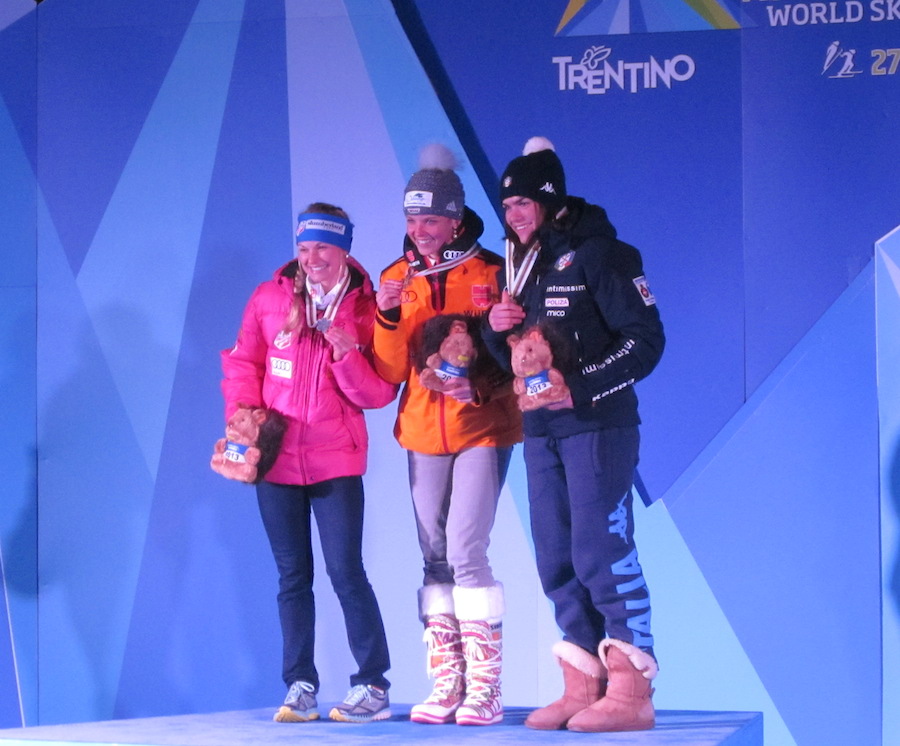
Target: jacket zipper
(303,394)
(443,424)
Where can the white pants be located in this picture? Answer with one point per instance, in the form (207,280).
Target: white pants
(455,500)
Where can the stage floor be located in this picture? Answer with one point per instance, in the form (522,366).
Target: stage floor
(255,727)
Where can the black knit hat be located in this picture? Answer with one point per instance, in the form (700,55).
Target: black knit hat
(537,174)
(435,189)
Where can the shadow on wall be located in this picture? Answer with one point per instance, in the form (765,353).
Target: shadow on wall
(19,539)
(95,494)
(893,579)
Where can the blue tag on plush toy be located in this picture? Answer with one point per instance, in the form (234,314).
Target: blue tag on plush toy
(447,371)
(234,452)
(537,383)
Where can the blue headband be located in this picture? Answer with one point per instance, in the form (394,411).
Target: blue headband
(317,226)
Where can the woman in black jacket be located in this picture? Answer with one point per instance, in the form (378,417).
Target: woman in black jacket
(568,273)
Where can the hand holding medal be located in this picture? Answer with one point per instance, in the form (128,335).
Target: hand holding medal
(341,341)
(506,314)
(389,294)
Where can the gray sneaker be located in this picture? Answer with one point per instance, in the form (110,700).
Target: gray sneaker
(363,704)
(300,704)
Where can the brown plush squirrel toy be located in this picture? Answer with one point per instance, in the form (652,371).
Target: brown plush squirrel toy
(454,356)
(537,382)
(251,444)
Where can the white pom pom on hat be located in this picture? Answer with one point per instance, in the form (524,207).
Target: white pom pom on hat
(536,144)
(439,156)
(536,174)
(435,189)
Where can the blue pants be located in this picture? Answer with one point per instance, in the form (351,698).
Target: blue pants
(338,507)
(579,492)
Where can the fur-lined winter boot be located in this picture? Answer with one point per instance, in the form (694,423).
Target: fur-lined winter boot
(479,611)
(584,679)
(627,704)
(446,663)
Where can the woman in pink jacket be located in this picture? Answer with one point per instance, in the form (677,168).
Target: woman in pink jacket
(304,350)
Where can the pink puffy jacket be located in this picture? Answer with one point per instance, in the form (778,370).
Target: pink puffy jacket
(294,373)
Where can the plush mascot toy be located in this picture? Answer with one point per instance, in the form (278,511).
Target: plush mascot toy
(251,444)
(537,382)
(449,351)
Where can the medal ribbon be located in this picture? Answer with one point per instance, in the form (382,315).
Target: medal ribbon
(444,266)
(515,281)
(337,292)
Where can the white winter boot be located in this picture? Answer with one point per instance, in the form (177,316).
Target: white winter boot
(479,611)
(446,663)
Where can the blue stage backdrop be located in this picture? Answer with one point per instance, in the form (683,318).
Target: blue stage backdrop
(154,156)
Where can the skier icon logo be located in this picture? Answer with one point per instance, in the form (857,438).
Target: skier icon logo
(840,62)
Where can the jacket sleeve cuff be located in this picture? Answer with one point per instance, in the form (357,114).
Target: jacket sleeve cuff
(389,315)
(581,392)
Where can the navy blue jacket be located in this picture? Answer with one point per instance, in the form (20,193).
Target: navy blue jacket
(589,287)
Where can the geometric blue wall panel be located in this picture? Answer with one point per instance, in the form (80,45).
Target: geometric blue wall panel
(678,198)
(887,275)
(154,158)
(10,712)
(777,516)
(18,307)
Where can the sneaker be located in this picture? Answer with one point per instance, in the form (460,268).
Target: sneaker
(300,704)
(363,704)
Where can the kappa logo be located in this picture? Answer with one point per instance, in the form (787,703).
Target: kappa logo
(618,520)
(548,187)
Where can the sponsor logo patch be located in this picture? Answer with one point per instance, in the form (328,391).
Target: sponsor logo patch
(281,368)
(418,199)
(283,340)
(482,295)
(564,261)
(321,225)
(644,289)
(556,302)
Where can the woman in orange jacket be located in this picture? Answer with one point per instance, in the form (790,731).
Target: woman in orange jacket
(458,441)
